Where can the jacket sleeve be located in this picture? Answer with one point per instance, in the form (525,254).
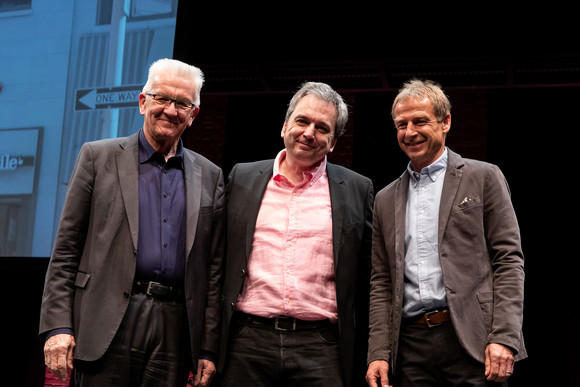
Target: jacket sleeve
(215,269)
(507,261)
(380,321)
(58,296)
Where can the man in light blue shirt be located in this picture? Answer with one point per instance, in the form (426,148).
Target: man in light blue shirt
(446,299)
(424,289)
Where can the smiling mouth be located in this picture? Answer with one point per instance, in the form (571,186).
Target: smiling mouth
(305,145)
(414,144)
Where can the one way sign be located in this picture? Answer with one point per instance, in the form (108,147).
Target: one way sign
(107,97)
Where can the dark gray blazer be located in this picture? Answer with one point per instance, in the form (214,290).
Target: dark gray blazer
(351,198)
(91,271)
(480,254)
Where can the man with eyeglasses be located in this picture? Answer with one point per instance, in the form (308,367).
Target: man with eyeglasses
(132,289)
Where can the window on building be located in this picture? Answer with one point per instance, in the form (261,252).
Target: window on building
(139,10)
(14,5)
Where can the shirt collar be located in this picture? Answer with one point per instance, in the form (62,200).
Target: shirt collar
(311,175)
(433,171)
(147,152)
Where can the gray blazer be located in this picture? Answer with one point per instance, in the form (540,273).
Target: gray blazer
(351,198)
(480,255)
(91,271)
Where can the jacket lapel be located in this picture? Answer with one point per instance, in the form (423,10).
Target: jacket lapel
(127,159)
(192,176)
(402,190)
(337,202)
(260,182)
(453,176)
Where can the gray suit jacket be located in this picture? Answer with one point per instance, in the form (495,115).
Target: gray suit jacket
(91,271)
(351,201)
(480,255)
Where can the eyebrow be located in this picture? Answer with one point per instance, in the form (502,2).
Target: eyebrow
(422,116)
(309,119)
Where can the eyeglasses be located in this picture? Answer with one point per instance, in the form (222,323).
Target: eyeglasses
(180,104)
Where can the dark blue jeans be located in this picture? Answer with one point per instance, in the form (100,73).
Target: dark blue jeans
(261,356)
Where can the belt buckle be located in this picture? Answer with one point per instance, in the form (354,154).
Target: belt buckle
(428,321)
(148,291)
(282,329)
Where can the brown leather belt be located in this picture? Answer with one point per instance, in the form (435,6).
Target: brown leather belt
(433,318)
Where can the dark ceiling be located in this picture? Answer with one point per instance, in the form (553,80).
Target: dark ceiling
(359,47)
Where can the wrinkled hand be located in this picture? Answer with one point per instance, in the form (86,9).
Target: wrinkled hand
(205,371)
(499,362)
(58,355)
(377,374)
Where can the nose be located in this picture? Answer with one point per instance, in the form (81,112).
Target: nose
(410,129)
(309,131)
(170,109)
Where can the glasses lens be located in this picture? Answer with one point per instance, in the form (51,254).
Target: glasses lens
(183,105)
(166,101)
(162,99)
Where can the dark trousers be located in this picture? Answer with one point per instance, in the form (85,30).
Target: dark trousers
(434,357)
(151,348)
(260,356)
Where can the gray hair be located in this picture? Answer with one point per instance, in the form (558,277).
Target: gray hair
(417,89)
(178,68)
(326,93)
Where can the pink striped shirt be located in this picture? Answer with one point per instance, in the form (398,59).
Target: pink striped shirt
(291,267)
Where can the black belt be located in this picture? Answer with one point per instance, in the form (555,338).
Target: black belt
(159,291)
(282,323)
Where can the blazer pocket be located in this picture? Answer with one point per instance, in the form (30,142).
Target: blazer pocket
(467,202)
(354,229)
(82,279)
(205,210)
(486,304)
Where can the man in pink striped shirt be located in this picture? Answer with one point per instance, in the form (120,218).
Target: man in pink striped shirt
(298,249)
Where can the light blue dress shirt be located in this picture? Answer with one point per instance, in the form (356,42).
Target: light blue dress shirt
(424,289)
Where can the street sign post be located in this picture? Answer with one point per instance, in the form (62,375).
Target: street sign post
(107,97)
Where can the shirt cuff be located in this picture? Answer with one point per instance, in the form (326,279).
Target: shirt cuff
(58,331)
(208,355)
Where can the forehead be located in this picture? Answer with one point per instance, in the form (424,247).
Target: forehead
(173,84)
(316,108)
(414,107)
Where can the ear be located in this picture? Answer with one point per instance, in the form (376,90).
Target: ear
(283,130)
(194,114)
(446,123)
(333,144)
(142,104)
